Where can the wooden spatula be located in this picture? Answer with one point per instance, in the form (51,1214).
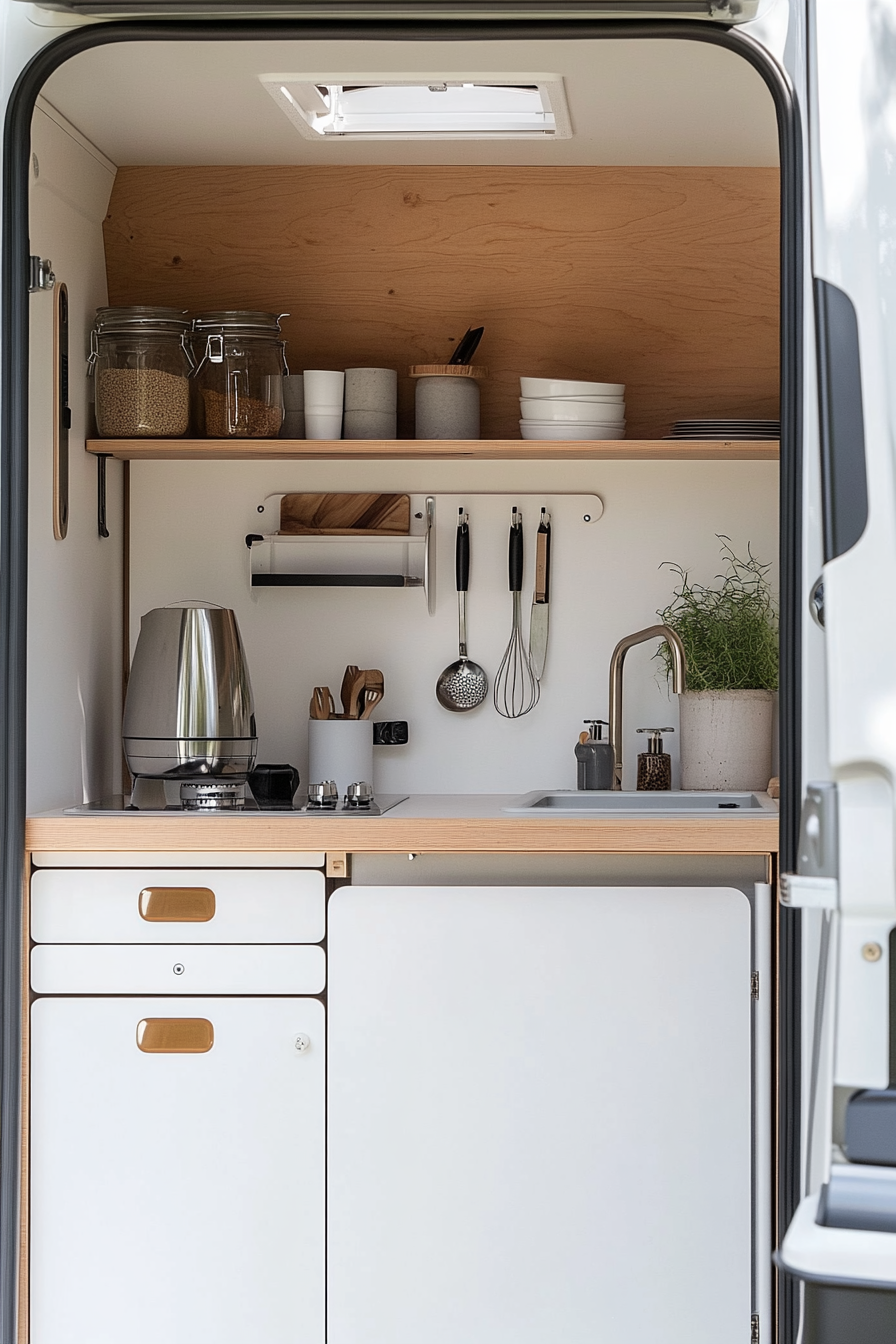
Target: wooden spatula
(322,706)
(352,686)
(374,690)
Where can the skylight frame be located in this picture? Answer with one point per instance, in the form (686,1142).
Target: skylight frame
(298,96)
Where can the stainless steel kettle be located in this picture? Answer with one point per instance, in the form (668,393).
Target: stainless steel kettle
(189,713)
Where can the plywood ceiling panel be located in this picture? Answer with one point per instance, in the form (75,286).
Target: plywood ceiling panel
(663,279)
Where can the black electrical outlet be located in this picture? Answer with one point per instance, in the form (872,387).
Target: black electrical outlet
(390,733)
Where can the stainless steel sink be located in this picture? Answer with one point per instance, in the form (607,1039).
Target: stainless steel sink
(593,804)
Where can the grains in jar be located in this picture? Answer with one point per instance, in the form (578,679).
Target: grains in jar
(151,403)
(141,362)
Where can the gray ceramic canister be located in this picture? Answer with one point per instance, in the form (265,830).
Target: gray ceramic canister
(447,407)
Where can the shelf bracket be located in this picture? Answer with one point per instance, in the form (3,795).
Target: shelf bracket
(101,460)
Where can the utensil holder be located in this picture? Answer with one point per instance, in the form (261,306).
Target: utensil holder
(341,750)
(447,400)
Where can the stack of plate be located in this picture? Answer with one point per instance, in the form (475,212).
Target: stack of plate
(726,429)
(561,408)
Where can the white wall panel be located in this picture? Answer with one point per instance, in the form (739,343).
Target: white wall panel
(189,521)
(74,585)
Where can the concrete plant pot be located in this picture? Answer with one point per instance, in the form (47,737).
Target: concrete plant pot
(726,739)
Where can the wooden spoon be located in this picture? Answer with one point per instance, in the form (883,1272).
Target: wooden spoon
(322,706)
(374,690)
(352,687)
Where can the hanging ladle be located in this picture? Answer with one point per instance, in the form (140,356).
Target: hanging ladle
(463,685)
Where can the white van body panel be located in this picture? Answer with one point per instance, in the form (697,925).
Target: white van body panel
(853,139)
(851,117)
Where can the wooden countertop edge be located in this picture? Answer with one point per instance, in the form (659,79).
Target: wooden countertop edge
(747,835)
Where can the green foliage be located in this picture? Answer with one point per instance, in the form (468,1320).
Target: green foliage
(730,632)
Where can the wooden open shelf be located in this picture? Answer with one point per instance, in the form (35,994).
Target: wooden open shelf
(275,450)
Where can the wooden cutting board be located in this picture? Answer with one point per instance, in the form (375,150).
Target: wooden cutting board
(368,515)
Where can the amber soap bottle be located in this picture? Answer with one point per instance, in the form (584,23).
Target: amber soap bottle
(654,764)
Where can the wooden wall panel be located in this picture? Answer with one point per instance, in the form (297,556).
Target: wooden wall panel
(665,279)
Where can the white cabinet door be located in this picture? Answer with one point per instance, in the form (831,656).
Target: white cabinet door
(539,1116)
(177,1197)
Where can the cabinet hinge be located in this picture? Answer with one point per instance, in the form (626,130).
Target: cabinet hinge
(754,1329)
(754,994)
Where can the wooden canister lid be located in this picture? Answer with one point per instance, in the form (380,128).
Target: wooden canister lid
(448,371)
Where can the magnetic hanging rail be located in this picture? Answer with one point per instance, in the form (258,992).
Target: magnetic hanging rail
(316,561)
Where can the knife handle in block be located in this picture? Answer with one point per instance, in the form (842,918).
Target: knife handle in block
(543,560)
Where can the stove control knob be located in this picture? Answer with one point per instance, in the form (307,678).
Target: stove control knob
(324,794)
(359,795)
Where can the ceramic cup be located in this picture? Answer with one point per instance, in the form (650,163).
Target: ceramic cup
(369,425)
(341,750)
(371,390)
(293,392)
(324,390)
(273,786)
(323,424)
(293,426)
(371,404)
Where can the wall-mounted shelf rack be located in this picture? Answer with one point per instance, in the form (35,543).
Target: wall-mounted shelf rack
(311,561)
(285,450)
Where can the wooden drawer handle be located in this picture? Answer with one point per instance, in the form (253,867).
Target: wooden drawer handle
(177,905)
(175,1035)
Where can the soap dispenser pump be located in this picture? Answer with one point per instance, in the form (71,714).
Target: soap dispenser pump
(595,758)
(654,764)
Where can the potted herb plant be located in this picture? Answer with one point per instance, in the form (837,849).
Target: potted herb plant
(730,637)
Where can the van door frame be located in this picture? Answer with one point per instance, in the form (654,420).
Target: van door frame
(14,391)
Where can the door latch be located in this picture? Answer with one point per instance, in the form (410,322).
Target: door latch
(814,884)
(40,274)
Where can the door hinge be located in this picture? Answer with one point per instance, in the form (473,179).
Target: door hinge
(40,274)
(754,1329)
(754,994)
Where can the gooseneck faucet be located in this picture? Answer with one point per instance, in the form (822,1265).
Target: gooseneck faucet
(679,671)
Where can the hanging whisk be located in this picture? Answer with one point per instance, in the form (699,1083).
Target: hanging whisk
(516,686)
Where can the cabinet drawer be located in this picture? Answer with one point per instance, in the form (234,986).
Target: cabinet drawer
(177,905)
(177,969)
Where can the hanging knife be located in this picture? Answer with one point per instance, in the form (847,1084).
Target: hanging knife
(541,600)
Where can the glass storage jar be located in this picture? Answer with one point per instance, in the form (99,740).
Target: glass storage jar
(141,361)
(238,381)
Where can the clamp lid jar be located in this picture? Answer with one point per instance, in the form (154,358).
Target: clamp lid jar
(141,360)
(238,382)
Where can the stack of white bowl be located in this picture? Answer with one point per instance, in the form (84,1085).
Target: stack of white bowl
(562,408)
